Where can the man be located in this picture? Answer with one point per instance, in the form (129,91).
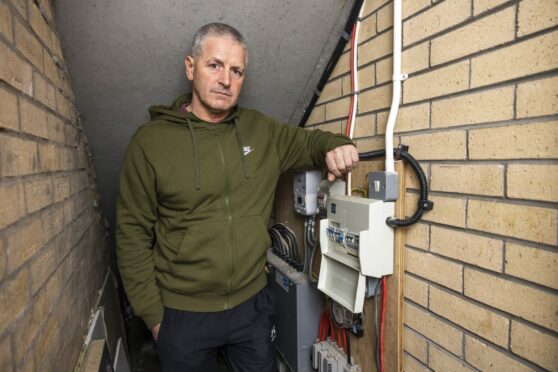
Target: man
(196,192)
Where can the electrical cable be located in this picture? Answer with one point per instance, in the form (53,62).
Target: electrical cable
(322,326)
(348,337)
(283,242)
(339,48)
(350,127)
(364,192)
(313,245)
(423,204)
(310,278)
(376,328)
(331,328)
(384,295)
(306,249)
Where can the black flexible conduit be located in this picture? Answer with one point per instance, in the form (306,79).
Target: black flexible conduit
(345,37)
(423,204)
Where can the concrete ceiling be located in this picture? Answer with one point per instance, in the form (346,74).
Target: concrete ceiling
(126,55)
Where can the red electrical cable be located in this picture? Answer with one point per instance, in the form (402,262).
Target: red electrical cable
(339,339)
(325,326)
(382,324)
(321,327)
(349,120)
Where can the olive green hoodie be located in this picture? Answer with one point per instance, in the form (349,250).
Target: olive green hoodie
(194,202)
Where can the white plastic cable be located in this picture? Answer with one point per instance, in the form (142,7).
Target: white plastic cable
(352,119)
(355,69)
(397,78)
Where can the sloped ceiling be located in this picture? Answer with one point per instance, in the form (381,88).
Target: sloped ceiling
(126,55)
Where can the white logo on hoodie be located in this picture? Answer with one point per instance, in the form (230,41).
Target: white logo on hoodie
(247,150)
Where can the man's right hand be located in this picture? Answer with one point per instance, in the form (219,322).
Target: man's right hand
(155,331)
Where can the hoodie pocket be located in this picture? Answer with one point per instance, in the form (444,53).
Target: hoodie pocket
(202,260)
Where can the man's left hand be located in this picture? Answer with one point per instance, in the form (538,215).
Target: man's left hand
(341,160)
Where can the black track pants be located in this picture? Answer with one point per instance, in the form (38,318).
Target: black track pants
(190,341)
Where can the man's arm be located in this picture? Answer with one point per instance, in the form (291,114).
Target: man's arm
(301,148)
(136,214)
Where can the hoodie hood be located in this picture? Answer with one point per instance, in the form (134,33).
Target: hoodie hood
(174,114)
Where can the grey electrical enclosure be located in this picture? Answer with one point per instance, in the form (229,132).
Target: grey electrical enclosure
(298,305)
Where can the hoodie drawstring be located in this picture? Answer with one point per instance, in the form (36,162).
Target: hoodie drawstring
(242,156)
(195,148)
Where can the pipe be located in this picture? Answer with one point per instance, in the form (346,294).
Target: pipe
(397,78)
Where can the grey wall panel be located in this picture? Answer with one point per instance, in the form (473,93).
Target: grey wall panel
(126,55)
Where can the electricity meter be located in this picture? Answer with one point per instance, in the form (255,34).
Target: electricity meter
(305,189)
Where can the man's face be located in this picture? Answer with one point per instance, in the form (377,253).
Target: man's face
(217,75)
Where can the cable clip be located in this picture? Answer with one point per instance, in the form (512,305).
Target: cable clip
(426,205)
(400,77)
(401,148)
(355,92)
(317,92)
(346,35)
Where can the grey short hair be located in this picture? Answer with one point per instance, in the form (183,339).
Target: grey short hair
(216,29)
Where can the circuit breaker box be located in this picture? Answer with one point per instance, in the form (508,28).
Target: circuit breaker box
(355,242)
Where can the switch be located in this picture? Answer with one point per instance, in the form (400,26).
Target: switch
(377,186)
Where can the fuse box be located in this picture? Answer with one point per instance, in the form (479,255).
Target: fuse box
(355,242)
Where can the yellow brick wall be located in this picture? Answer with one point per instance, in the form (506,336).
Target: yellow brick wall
(480,112)
(53,251)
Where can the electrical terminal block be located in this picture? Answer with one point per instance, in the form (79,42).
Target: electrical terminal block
(317,350)
(329,357)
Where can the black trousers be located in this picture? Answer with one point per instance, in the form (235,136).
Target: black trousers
(190,341)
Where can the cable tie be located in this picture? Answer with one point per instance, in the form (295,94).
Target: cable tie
(346,35)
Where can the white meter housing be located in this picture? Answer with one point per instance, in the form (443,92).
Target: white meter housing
(305,189)
(356,242)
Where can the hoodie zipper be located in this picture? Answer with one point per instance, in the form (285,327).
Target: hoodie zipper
(229,219)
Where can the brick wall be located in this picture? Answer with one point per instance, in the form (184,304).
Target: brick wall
(479,110)
(52,237)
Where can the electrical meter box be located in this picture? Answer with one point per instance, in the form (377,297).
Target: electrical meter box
(305,190)
(356,242)
(297,309)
